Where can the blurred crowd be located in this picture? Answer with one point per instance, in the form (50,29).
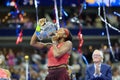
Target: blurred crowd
(15,58)
(84,21)
(16,62)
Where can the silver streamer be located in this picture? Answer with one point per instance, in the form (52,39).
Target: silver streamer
(106,26)
(56,14)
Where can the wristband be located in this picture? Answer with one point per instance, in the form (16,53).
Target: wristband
(38,28)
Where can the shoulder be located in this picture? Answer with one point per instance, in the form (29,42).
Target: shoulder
(68,43)
(90,66)
(106,65)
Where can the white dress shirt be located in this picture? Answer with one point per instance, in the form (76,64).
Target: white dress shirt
(97,75)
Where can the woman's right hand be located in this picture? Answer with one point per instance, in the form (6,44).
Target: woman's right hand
(42,21)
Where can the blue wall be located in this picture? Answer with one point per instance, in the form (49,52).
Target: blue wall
(86,32)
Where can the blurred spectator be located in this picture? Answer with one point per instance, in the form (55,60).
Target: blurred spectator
(34,75)
(35,57)
(11,57)
(14,73)
(43,74)
(22,74)
(98,70)
(2,55)
(77,64)
(98,22)
(117,51)
(88,21)
(107,56)
(88,54)
(5,52)
(19,57)
(116,74)
(36,66)
(69,24)
(113,19)
(4,73)
(2,61)
(28,24)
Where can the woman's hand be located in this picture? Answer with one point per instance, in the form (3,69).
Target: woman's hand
(42,21)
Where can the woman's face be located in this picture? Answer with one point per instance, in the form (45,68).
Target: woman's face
(59,34)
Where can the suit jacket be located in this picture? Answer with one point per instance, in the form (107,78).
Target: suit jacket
(105,70)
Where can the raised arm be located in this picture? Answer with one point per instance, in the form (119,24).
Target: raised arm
(65,48)
(34,40)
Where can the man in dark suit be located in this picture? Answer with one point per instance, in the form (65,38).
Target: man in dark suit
(98,70)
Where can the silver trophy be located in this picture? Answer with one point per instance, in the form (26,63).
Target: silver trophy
(47,31)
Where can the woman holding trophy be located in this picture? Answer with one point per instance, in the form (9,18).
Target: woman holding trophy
(58,51)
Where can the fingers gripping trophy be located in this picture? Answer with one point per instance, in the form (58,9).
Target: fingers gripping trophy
(45,29)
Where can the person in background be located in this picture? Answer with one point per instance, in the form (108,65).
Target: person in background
(116,73)
(4,73)
(116,49)
(58,52)
(11,57)
(98,70)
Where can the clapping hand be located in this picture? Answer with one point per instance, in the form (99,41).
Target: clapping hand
(97,69)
